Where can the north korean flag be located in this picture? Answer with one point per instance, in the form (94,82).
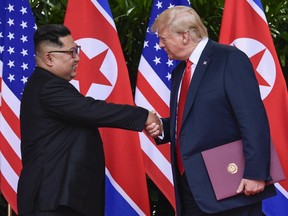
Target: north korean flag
(244,25)
(102,74)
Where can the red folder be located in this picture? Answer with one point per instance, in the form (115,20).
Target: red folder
(225,167)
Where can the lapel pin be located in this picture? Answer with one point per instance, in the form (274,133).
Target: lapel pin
(205,62)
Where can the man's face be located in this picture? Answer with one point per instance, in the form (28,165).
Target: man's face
(171,42)
(64,61)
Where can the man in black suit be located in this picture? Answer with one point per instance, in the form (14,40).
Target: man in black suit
(62,151)
(223,104)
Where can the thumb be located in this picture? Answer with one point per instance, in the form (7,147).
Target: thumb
(240,188)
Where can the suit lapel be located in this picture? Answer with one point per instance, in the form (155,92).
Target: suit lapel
(176,80)
(197,78)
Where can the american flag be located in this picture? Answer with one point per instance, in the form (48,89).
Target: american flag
(153,92)
(244,25)
(17,62)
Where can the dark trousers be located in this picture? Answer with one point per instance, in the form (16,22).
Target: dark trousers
(61,211)
(189,206)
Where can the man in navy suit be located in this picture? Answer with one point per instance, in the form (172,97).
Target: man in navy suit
(62,151)
(223,104)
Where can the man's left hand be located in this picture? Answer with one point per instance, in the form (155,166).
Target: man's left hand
(251,187)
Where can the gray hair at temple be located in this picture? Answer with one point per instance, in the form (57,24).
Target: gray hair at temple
(181,19)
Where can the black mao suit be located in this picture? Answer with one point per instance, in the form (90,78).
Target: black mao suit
(223,105)
(62,151)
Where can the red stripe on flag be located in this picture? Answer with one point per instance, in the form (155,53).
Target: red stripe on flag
(163,148)
(154,99)
(9,193)
(12,119)
(10,155)
(13,89)
(159,180)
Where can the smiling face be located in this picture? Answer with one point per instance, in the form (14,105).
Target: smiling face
(60,60)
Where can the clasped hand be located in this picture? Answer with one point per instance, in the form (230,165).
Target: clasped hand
(153,125)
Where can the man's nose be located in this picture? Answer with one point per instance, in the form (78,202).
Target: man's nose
(77,57)
(161,44)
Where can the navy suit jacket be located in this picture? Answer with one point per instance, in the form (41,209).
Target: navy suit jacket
(223,105)
(62,151)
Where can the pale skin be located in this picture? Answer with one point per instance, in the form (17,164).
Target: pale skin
(154,120)
(60,64)
(179,46)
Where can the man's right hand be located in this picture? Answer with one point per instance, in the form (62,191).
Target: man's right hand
(153,125)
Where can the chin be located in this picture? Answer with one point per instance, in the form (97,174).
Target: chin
(171,57)
(73,75)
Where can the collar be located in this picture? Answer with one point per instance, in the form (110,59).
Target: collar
(195,55)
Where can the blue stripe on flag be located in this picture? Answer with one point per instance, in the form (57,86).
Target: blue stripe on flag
(279,200)
(106,7)
(115,204)
(258,2)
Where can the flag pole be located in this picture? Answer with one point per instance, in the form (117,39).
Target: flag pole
(9,210)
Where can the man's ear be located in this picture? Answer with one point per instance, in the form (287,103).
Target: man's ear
(185,37)
(48,59)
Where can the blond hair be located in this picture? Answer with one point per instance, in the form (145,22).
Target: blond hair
(181,19)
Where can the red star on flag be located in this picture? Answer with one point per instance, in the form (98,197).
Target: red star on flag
(256,59)
(91,72)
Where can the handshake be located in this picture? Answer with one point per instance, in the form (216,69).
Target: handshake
(153,125)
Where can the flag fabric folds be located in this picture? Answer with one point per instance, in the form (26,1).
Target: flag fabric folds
(244,25)
(17,26)
(102,74)
(153,92)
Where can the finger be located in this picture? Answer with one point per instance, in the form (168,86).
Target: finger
(240,188)
(152,130)
(151,126)
(251,189)
(247,193)
(155,134)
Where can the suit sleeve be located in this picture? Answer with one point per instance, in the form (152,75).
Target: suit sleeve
(243,93)
(166,132)
(62,100)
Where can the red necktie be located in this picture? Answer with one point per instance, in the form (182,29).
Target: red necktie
(181,103)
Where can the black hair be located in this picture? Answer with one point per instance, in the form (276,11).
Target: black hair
(50,33)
